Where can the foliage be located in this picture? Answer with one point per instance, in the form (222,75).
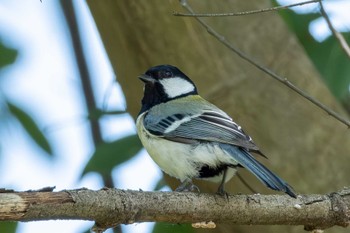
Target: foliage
(172,228)
(7,55)
(31,127)
(8,227)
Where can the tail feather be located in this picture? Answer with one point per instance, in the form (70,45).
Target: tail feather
(266,176)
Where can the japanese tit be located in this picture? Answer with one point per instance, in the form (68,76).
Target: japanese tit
(188,137)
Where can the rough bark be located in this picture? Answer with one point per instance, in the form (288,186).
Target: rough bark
(111,207)
(305,146)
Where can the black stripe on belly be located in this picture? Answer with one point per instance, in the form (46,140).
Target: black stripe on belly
(208,172)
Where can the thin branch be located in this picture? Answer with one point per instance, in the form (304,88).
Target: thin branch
(72,23)
(336,34)
(284,81)
(244,12)
(111,207)
(250,188)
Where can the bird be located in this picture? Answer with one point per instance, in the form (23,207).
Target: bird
(190,138)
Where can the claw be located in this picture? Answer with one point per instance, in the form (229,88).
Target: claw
(187,186)
(194,188)
(221,191)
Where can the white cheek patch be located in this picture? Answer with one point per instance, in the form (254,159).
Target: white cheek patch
(176,86)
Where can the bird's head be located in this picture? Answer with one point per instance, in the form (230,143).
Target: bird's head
(164,83)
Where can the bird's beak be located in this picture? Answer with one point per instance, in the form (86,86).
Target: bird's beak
(146,78)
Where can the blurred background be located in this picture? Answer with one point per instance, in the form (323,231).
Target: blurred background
(64,120)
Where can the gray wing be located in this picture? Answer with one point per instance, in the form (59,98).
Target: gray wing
(210,126)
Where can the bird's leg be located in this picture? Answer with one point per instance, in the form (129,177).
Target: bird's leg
(187,186)
(221,190)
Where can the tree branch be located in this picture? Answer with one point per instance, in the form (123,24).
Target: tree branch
(111,207)
(344,45)
(244,12)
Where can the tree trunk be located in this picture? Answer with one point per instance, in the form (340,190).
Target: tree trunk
(298,137)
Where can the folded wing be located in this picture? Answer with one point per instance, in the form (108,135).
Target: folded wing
(207,126)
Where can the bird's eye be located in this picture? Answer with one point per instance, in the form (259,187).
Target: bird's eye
(168,74)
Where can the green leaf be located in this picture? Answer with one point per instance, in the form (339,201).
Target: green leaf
(172,228)
(108,155)
(7,55)
(31,127)
(8,227)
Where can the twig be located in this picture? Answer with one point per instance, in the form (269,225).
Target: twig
(336,34)
(244,12)
(250,188)
(284,81)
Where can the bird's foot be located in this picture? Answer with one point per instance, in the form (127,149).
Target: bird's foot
(187,186)
(221,191)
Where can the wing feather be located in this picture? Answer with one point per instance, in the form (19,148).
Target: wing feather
(209,125)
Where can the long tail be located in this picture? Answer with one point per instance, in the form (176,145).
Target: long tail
(266,176)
